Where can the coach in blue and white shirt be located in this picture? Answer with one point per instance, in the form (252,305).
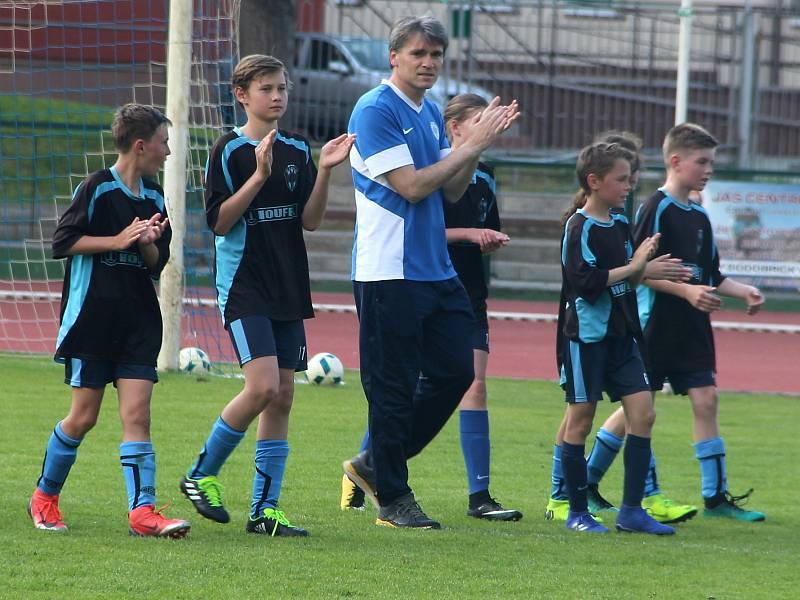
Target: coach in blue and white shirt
(415,318)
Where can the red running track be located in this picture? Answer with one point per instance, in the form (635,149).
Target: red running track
(747,361)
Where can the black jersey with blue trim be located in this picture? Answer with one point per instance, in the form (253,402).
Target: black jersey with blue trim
(477,208)
(261,266)
(109,307)
(678,337)
(592,310)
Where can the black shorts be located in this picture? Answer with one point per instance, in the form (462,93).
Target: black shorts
(81,373)
(256,336)
(480,339)
(614,366)
(682,382)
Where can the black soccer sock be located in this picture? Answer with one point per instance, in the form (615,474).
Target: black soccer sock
(637,463)
(573,463)
(478,498)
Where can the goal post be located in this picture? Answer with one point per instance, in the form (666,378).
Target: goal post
(179,60)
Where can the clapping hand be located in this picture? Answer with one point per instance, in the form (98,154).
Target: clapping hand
(336,151)
(154,229)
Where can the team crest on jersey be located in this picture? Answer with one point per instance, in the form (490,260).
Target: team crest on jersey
(483,211)
(435,130)
(291,175)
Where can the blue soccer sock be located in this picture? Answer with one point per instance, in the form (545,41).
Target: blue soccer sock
(605,450)
(651,487)
(218,447)
(139,469)
(713,471)
(558,490)
(365,441)
(59,457)
(574,464)
(475,447)
(271,458)
(637,462)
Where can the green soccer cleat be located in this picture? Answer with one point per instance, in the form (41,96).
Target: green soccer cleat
(558,510)
(728,506)
(273,522)
(665,510)
(598,504)
(206,495)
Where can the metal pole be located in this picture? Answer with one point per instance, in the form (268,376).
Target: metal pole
(746,87)
(179,60)
(684,52)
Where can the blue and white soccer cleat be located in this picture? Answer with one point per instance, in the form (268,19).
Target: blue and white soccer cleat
(584,522)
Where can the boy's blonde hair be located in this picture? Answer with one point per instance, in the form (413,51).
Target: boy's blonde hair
(687,137)
(254,66)
(135,122)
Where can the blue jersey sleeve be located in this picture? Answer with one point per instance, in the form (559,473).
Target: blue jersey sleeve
(380,140)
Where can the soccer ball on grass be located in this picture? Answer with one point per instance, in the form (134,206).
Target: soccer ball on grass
(325,369)
(194,360)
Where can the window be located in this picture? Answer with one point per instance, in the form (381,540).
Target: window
(322,53)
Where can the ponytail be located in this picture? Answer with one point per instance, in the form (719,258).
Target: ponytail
(578,201)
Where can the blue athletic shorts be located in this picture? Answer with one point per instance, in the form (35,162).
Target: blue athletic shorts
(258,335)
(682,382)
(97,373)
(614,366)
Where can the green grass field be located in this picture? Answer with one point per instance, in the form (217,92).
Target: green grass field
(347,555)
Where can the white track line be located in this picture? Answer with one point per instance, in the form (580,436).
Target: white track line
(493,314)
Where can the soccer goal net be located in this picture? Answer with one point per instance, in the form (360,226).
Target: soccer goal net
(65,65)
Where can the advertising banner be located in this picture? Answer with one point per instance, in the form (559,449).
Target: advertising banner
(757,230)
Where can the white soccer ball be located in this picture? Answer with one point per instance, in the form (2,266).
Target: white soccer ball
(193,360)
(325,369)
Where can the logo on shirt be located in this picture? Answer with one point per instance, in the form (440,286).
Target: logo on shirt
(273,213)
(407,131)
(435,130)
(122,258)
(291,174)
(483,211)
(697,272)
(699,241)
(620,289)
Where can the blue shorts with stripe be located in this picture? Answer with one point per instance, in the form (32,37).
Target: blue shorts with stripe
(258,335)
(97,373)
(612,365)
(681,383)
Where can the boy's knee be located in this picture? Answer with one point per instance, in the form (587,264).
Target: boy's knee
(578,427)
(79,425)
(263,395)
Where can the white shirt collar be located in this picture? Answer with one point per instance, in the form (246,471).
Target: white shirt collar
(417,108)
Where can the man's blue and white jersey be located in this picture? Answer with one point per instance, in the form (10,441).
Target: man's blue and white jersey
(394,238)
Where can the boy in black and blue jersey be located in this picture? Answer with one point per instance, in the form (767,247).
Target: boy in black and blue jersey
(675,316)
(262,190)
(115,236)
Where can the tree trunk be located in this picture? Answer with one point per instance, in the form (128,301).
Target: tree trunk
(267,27)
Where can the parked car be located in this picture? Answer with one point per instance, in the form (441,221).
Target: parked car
(330,73)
